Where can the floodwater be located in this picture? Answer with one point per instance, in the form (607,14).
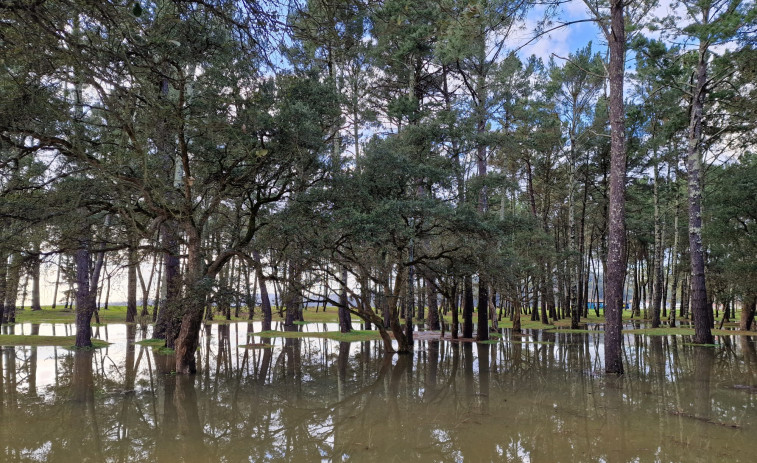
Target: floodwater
(538,398)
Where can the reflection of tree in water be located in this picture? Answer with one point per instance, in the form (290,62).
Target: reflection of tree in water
(308,399)
(83,421)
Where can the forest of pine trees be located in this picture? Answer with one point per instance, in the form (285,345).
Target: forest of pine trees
(399,160)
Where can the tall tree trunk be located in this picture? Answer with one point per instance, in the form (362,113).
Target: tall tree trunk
(168,314)
(483,197)
(699,306)
(657,272)
(617,228)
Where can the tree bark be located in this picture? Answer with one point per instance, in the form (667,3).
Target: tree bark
(3,283)
(617,228)
(345,320)
(467,307)
(131,296)
(11,290)
(747,313)
(168,314)
(657,272)
(699,306)
(34,269)
(433,306)
(265,302)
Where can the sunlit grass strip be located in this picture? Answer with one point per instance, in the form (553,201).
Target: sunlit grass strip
(158,346)
(152,342)
(352,336)
(257,346)
(32,340)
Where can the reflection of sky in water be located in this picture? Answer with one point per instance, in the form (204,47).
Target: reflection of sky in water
(538,397)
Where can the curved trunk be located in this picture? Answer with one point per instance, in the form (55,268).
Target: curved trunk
(193,306)
(265,301)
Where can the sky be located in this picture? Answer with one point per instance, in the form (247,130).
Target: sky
(565,40)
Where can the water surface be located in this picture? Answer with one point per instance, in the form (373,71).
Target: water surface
(539,397)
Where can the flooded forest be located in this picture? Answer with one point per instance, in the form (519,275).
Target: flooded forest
(394,230)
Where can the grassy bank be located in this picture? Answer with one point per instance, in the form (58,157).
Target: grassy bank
(31,340)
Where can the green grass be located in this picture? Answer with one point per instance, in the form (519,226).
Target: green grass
(114,314)
(352,336)
(158,346)
(152,342)
(257,346)
(32,340)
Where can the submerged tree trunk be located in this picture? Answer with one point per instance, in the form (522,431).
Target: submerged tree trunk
(616,262)
(166,325)
(86,291)
(85,296)
(193,304)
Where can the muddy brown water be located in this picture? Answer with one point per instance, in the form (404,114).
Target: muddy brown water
(535,398)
